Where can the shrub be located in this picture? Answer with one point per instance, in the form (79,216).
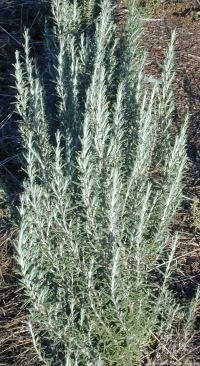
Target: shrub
(103,181)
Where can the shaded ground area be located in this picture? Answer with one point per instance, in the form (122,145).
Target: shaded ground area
(185,17)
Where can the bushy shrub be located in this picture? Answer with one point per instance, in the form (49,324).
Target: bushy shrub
(103,181)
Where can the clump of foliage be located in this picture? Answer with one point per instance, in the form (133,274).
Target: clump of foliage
(103,181)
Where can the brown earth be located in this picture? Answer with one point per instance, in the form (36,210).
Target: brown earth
(184,16)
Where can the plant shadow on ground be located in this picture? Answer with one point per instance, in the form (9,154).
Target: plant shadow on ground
(15,341)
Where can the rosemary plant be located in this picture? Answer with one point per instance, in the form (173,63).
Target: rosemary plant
(103,181)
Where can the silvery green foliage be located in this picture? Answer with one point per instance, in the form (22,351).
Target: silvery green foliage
(98,199)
